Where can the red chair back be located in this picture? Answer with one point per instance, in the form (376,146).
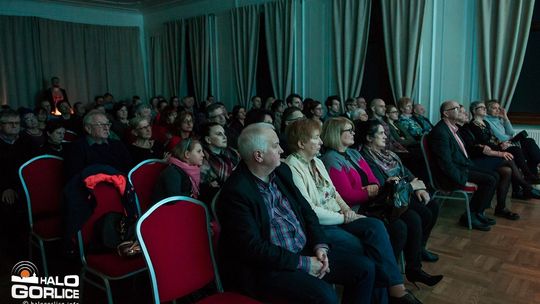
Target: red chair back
(42,178)
(175,238)
(143,177)
(108,199)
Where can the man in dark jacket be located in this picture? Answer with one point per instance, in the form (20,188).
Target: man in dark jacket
(454,170)
(271,244)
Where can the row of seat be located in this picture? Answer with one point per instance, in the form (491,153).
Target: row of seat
(163,230)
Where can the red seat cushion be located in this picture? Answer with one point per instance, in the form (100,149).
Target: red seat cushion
(49,227)
(228,298)
(113,265)
(468,188)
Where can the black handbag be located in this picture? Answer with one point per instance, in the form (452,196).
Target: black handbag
(392,201)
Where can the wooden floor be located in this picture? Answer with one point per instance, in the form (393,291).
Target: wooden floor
(499,266)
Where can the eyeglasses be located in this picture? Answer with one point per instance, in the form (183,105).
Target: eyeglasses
(452,109)
(144,127)
(480,107)
(102,125)
(12,123)
(351,131)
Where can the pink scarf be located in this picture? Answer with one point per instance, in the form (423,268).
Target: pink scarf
(194,173)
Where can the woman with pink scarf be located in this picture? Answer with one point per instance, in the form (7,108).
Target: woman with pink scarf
(183,175)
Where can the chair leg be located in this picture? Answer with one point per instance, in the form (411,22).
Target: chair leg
(43,258)
(468,211)
(108,290)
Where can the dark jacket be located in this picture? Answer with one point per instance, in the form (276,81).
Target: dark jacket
(450,166)
(245,249)
(172,181)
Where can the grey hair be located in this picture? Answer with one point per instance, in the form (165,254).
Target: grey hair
(89,117)
(251,139)
(135,121)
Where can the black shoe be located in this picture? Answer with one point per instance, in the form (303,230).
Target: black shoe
(421,276)
(408,298)
(507,214)
(475,223)
(429,256)
(486,220)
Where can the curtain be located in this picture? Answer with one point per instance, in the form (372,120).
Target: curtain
(402,23)
(245,34)
(351,31)
(159,80)
(199,47)
(88,59)
(176,55)
(279,28)
(503,33)
(21,73)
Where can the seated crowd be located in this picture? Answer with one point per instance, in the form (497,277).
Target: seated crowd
(300,190)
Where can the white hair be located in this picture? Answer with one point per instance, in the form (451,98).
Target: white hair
(253,139)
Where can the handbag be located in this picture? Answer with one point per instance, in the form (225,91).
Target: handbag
(392,201)
(115,231)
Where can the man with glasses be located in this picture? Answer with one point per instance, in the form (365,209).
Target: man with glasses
(96,147)
(13,219)
(453,169)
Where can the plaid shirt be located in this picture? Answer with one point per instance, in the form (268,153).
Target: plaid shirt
(285,229)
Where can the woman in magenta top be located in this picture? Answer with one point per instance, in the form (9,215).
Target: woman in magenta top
(356,183)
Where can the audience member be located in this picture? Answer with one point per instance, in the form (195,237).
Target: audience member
(419,115)
(453,169)
(406,119)
(216,113)
(351,106)
(269,102)
(120,121)
(31,135)
(278,107)
(271,243)
(313,109)
(55,94)
(256,102)
(362,104)
(294,100)
(333,107)
(397,132)
(183,175)
(55,137)
(219,160)
(503,130)
(259,115)
(238,118)
(144,147)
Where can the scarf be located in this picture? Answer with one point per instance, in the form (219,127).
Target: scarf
(385,159)
(194,173)
(221,165)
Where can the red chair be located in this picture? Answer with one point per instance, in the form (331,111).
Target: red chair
(106,266)
(454,194)
(70,136)
(175,238)
(143,177)
(42,178)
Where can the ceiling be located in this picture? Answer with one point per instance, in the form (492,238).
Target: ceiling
(132,5)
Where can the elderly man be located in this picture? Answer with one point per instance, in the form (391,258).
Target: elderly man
(271,244)
(454,170)
(503,130)
(96,147)
(419,115)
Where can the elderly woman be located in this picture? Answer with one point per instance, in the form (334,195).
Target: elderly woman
(366,236)
(397,132)
(483,134)
(357,184)
(55,135)
(31,135)
(143,147)
(183,175)
(219,161)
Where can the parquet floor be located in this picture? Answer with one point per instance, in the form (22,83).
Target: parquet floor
(499,266)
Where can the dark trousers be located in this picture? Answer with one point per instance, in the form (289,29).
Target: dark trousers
(368,237)
(355,272)
(487,182)
(532,154)
(428,215)
(406,235)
